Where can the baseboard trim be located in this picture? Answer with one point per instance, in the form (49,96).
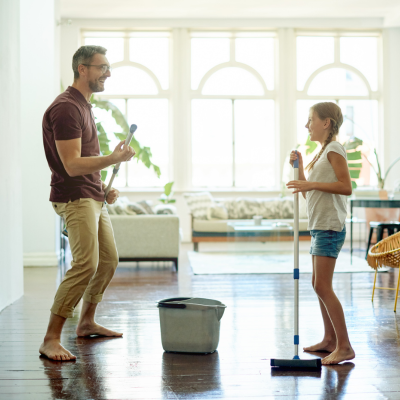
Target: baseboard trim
(40,260)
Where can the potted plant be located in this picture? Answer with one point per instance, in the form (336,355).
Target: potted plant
(143,153)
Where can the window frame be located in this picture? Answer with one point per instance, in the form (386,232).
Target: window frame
(371,95)
(127,34)
(269,94)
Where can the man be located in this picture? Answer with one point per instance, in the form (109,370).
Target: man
(77,194)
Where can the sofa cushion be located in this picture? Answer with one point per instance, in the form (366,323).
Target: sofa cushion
(198,203)
(247,208)
(147,207)
(219,226)
(217,211)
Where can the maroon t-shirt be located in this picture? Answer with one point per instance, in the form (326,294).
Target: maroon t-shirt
(69,117)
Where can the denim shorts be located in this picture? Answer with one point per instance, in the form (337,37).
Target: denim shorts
(327,243)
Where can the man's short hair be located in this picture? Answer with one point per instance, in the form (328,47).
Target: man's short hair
(84,56)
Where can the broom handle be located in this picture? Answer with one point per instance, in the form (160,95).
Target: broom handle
(116,167)
(296,271)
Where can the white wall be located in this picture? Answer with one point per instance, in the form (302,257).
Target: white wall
(40,84)
(391,87)
(11,270)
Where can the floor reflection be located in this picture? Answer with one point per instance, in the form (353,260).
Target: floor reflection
(204,378)
(336,379)
(81,379)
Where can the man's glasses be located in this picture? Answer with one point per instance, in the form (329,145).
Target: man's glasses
(104,67)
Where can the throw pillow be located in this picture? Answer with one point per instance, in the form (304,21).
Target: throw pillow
(165,209)
(119,209)
(136,208)
(198,203)
(287,211)
(217,211)
(146,205)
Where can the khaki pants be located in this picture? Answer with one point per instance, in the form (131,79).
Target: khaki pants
(94,254)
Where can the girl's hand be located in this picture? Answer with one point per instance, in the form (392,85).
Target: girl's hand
(300,186)
(294,156)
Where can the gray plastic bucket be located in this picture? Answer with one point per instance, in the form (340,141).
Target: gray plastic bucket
(190,324)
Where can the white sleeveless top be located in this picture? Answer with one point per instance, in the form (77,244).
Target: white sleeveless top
(326,211)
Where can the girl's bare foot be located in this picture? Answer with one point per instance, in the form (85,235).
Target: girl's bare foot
(52,349)
(339,355)
(88,329)
(327,346)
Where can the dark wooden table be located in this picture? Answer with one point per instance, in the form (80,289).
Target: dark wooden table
(368,203)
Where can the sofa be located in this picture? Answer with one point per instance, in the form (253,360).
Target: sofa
(147,237)
(143,232)
(211,218)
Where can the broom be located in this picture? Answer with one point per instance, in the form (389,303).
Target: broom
(296,362)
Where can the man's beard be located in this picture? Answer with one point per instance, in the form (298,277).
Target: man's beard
(96,87)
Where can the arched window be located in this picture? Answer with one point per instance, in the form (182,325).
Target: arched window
(139,87)
(342,69)
(233,110)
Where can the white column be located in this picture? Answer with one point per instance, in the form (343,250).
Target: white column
(391,103)
(39,78)
(11,269)
(286,104)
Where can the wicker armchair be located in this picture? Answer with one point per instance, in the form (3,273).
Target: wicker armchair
(386,253)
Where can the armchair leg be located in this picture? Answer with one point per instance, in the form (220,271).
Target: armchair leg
(195,246)
(176,264)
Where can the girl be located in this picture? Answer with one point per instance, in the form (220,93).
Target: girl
(325,191)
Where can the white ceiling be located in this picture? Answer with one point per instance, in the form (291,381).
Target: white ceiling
(388,10)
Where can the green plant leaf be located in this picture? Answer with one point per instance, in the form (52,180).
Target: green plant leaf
(354,155)
(170,201)
(168,188)
(104,173)
(355,173)
(103,140)
(355,165)
(143,154)
(352,143)
(311,146)
(353,185)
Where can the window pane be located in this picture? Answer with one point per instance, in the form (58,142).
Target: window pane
(312,53)
(361,53)
(130,80)
(206,54)
(151,117)
(114,46)
(364,114)
(153,53)
(254,143)
(212,143)
(259,54)
(337,82)
(233,81)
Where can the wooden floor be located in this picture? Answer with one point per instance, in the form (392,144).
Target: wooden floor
(257,326)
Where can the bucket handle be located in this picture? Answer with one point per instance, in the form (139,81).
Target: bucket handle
(171,305)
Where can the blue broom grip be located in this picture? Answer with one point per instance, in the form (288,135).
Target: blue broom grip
(296,162)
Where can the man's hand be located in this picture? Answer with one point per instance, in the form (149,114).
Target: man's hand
(301,186)
(121,154)
(112,196)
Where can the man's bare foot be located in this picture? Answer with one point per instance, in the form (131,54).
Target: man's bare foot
(89,329)
(326,346)
(338,356)
(52,349)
